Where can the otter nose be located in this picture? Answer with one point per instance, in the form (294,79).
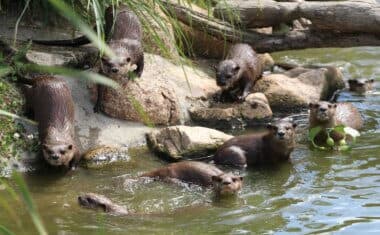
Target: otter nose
(114,70)
(281,134)
(54,157)
(226,182)
(322,109)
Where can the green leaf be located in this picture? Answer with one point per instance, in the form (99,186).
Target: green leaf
(313,132)
(5,231)
(339,129)
(14,116)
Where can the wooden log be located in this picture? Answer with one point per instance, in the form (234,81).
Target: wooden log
(299,39)
(341,16)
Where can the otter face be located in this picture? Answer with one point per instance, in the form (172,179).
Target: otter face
(283,131)
(94,201)
(323,111)
(58,154)
(360,85)
(128,53)
(227,184)
(227,73)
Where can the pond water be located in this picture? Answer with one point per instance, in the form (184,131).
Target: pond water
(317,192)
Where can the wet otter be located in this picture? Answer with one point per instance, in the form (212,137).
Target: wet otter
(328,115)
(271,146)
(360,85)
(199,173)
(237,74)
(49,102)
(97,201)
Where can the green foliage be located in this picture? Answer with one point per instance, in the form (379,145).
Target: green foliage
(342,145)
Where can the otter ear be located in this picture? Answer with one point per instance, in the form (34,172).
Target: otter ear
(335,105)
(215,68)
(70,147)
(371,80)
(241,178)
(270,126)
(352,81)
(216,178)
(294,125)
(237,67)
(312,105)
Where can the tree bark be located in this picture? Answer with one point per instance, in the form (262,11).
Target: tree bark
(341,16)
(298,39)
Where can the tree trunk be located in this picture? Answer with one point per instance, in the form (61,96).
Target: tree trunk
(297,39)
(341,16)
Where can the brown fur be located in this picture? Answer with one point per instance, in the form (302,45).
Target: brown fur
(49,101)
(199,173)
(97,201)
(269,147)
(360,85)
(237,74)
(328,115)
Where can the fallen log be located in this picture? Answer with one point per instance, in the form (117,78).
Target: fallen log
(298,39)
(341,16)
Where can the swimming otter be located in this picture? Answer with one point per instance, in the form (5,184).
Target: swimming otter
(199,173)
(269,147)
(49,102)
(360,85)
(97,201)
(237,74)
(328,115)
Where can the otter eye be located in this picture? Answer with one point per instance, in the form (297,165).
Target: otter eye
(287,128)
(62,152)
(49,151)
(128,59)
(330,106)
(234,180)
(70,147)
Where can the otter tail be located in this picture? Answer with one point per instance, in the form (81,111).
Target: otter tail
(68,43)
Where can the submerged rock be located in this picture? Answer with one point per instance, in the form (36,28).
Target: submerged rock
(296,88)
(254,109)
(178,142)
(102,155)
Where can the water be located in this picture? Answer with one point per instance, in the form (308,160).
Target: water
(317,192)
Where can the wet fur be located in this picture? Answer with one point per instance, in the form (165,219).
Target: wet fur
(258,149)
(49,102)
(237,74)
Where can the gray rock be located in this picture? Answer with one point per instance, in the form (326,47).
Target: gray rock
(254,109)
(178,142)
(296,88)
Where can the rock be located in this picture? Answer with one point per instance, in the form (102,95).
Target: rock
(178,142)
(254,109)
(296,88)
(102,155)
(164,92)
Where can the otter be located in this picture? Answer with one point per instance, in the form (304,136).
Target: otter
(360,85)
(199,173)
(97,201)
(269,147)
(237,74)
(49,102)
(328,115)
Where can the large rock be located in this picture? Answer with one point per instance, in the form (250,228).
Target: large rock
(296,88)
(178,142)
(254,109)
(102,155)
(164,92)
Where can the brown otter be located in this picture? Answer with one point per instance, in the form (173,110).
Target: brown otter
(237,74)
(50,103)
(328,115)
(271,146)
(97,201)
(201,174)
(360,85)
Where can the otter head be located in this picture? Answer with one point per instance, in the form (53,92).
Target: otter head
(360,85)
(227,73)
(95,201)
(128,58)
(227,184)
(322,113)
(283,132)
(58,154)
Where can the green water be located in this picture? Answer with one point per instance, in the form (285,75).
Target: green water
(317,192)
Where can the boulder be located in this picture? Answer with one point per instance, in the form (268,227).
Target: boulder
(254,109)
(179,142)
(296,88)
(162,95)
(102,155)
